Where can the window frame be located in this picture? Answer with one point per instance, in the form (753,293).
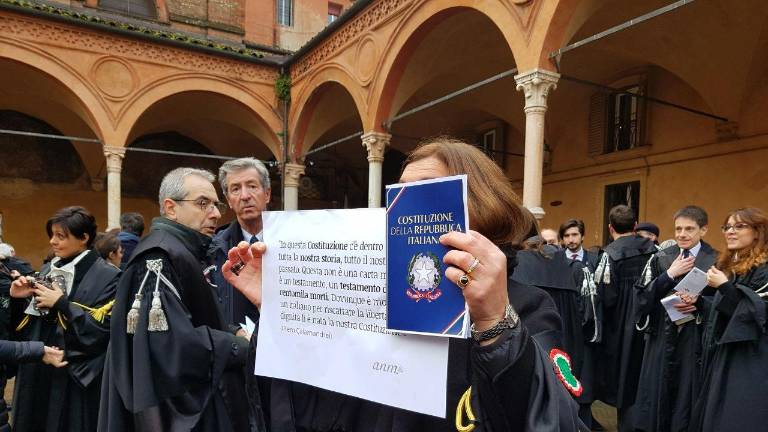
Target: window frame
(284,11)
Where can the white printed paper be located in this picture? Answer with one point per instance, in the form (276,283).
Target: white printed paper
(693,283)
(248,326)
(323,313)
(675,315)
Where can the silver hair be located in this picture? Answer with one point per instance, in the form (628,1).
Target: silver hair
(6,251)
(235,165)
(172,186)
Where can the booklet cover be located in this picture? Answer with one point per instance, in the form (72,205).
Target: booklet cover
(419,298)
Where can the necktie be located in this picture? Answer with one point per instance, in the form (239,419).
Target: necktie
(253,240)
(686,253)
(574,256)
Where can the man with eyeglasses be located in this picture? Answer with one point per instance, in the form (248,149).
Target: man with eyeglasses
(669,377)
(246,186)
(172,363)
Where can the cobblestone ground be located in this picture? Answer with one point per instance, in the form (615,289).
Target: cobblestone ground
(605,414)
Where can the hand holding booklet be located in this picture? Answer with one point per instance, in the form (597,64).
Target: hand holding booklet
(692,284)
(420,299)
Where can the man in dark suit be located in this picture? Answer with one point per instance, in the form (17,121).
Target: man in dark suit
(572,234)
(669,378)
(246,186)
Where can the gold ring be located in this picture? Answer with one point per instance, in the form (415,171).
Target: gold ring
(473,266)
(463,281)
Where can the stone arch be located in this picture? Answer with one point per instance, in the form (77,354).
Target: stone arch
(313,95)
(90,108)
(84,113)
(306,101)
(406,36)
(167,87)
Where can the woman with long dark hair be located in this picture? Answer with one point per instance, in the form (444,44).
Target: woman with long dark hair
(736,335)
(69,307)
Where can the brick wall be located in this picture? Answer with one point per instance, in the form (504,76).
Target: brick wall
(221,14)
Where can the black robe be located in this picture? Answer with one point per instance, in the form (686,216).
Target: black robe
(514,387)
(558,276)
(669,376)
(622,349)
(189,377)
(67,399)
(735,377)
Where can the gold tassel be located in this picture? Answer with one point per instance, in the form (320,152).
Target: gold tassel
(465,407)
(61,320)
(132,319)
(23,323)
(99,314)
(157,319)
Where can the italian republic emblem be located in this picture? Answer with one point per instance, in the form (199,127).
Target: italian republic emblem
(424,277)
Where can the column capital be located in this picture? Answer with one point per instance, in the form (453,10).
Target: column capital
(537,212)
(536,84)
(293,173)
(376,143)
(114,157)
(116,151)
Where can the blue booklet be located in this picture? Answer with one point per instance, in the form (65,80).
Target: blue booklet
(419,297)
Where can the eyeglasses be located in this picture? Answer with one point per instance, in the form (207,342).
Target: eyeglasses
(236,191)
(736,227)
(207,205)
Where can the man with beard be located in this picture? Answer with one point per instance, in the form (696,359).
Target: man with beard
(571,234)
(620,266)
(245,183)
(669,376)
(171,364)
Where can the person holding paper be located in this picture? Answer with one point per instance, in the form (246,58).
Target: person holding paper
(669,374)
(735,378)
(172,365)
(503,377)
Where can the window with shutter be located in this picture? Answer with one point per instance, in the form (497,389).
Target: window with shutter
(617,119)
(137,8)
(624,119)
(597,117)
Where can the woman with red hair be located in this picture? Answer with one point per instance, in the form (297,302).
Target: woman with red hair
(736,335)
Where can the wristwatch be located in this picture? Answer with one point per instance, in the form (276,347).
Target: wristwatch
(510,321)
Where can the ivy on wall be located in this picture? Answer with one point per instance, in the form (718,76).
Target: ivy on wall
(283,87)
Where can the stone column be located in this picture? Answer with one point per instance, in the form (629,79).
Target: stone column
(375,143)
(536,84)
(293,173)
(114,157)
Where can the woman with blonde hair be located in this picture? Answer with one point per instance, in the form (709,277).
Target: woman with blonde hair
(736,335)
